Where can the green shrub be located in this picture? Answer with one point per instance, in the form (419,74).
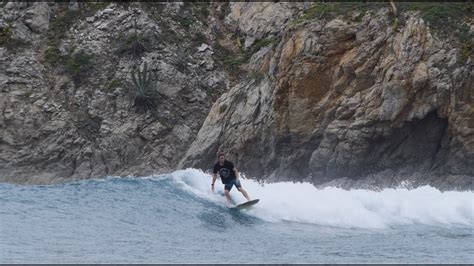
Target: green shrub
(435,12)
(204,9)
(27,94)
(263,42)
(443,17)
(113,85)
(318,10)
(396,24)
(222,108)
(199,38)
(5,35)
(59,26)
(53,57)
(466,52)
(181,62)
(155,9)
(447,20)
(228,58)
(359,17)
(133,45)
(233,61)
(79,65)
(331,10)
(7,40)
(184,22)
(96,6)
(255,75)
(170,36)
(465,41)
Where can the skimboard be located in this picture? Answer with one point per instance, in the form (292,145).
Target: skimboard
(245,204)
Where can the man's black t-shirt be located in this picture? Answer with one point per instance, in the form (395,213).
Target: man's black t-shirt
(226,171)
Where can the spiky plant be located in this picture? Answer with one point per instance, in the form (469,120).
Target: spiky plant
(145,96)
(137,46)
(133,44)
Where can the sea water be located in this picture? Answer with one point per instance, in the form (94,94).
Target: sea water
(176,218)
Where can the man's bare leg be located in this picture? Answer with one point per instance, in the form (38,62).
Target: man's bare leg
(246,195)
(227,195)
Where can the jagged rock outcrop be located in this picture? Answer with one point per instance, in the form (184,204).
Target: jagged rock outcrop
(341,100)
(260,20)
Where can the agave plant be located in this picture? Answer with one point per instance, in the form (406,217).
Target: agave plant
(145,97)
(137,44)
(132,44)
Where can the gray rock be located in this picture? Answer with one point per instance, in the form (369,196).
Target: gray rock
(37,17)
(260,19)
(73,5)
(204,47)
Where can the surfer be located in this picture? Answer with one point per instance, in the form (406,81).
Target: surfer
(229,175)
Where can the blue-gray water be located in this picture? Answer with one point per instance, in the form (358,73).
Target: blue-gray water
(177,219)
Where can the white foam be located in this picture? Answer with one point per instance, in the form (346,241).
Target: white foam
(302,202)
(198,183)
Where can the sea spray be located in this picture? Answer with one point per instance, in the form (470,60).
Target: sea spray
(303,202)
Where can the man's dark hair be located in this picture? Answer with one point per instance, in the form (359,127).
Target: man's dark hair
(219,154)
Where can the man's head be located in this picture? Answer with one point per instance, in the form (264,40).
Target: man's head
(221,157)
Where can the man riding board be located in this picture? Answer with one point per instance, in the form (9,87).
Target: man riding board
(229,176)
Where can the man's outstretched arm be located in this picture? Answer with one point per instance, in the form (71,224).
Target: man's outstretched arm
(214,177)
(237,175)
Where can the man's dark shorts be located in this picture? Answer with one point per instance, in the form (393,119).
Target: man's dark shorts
(233,182)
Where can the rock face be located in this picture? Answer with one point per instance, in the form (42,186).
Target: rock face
(260,20)
(326,100)
(54,129)
(340,100)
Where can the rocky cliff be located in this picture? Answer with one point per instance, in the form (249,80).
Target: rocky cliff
(351,94)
